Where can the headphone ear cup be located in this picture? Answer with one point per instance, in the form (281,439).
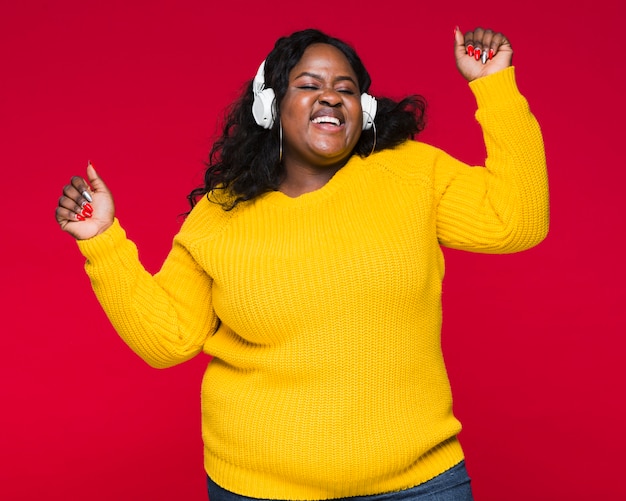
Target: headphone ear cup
(264,108)
(264,103)
(369,107)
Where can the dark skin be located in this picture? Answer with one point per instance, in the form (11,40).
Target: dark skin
(321,118)
(86,208)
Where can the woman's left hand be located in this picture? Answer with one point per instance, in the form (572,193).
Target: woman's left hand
(481,52)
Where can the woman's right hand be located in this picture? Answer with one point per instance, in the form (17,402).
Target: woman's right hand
(85,209)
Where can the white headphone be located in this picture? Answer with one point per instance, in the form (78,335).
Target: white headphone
(264,104)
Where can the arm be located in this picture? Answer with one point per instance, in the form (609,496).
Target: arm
(164,318)
(503,207)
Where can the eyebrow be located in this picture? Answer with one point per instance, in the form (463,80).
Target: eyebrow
(319,77)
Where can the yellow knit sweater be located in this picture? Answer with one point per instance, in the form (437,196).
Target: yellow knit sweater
(327,377)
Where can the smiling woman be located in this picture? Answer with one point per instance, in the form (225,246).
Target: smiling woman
(315,280)
(247,160)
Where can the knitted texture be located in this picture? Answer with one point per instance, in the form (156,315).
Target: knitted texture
(327,377)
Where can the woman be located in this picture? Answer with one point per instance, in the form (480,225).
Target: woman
(310,268)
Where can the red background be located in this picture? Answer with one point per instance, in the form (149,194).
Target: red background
(534,342)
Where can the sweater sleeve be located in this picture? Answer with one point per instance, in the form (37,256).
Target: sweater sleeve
(164,318)
(502,207)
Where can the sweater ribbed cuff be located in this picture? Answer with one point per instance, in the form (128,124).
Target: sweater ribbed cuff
(105,244)
(495,89)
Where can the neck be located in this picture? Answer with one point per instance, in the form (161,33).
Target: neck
(299,180)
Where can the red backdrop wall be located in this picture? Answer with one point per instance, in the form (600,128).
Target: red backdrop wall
(534,342)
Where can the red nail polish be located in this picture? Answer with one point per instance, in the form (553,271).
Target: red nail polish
(88,208)
(86,214)
(490,53)
(470,50)
(79,217)
(477,54)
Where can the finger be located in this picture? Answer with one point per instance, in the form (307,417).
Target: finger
(74,189)
(498,41)
(83,209)
(64,216)
(95,180)
(459,42)
(468,40)
(82,189)
(77,192)
(487,52)
(476,38)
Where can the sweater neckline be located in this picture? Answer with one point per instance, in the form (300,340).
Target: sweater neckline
(280,199)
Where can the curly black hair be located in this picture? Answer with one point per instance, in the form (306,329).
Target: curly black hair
(244,162)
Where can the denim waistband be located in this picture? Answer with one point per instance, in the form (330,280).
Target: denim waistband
(451,485)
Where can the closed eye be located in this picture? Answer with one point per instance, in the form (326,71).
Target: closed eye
(349,92)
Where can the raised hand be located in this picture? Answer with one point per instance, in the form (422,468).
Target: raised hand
(85,209)
(481,52)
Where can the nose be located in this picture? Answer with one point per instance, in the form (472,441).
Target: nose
(329,97)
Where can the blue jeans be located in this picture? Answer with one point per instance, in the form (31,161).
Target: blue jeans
(451,485)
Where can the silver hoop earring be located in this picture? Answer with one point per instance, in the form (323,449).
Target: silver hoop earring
(374,129)
(280,139)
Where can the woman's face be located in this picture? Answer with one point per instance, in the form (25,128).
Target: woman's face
(321,112)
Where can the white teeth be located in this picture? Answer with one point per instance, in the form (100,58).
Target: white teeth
(323,120)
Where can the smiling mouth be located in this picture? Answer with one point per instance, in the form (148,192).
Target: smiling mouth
(326,120)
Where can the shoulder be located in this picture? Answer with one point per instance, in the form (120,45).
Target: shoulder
(411,160)
(206,220)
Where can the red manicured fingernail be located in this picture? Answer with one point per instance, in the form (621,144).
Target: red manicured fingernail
(477,54)
(86,214)
(490,53)
(470,50)
(79,217)
(88,207)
